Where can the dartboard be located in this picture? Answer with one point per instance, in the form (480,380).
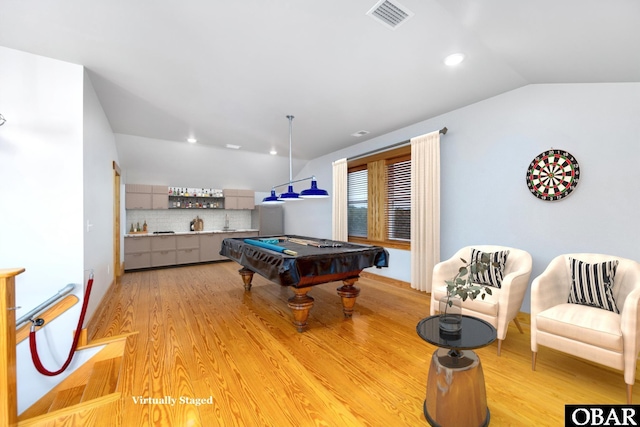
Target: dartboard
(553,175)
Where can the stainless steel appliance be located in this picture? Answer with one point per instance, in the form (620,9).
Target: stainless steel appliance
(268,219)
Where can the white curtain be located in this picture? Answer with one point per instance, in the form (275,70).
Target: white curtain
(339,210)
(425,209)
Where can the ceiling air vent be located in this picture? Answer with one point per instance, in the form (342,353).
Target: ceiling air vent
(390,13)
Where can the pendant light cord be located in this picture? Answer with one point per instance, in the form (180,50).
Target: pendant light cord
(290,161)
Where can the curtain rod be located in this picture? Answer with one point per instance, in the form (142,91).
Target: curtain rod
(443,131)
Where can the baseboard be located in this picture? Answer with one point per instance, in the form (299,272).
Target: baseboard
(92,324)
(386,280)
(523,318)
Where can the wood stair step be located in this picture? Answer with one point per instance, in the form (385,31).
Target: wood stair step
(67,397)
(104,378)
(60,406)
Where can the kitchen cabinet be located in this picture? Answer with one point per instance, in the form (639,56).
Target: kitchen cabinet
(160,250)
(159,197)
(163,250)
(163,242)
(143,196)
(188,249)
(163,258)
(239,199)
(138,196)
(137,252)
(138,260)
(210,244)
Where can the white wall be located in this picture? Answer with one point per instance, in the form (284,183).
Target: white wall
(98,196)
(485,156)
(180,164)
(42,212)
(41,173)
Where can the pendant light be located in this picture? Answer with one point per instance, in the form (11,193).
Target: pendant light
(290,195)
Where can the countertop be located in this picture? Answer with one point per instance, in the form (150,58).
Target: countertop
(179,233)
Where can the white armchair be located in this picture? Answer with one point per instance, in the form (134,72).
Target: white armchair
(503,305)
(596,334)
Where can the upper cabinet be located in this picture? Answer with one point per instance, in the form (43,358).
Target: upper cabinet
(239,199)
(142,196)
(159,198)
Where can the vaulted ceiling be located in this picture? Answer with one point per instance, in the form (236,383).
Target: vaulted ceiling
(229,72)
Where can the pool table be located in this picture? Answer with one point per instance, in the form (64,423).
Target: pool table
(311,262)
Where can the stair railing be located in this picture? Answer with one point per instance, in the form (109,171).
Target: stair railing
(39,309)
(8,380)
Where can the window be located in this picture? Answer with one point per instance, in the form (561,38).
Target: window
(379,199)
(399,200)
(357,202)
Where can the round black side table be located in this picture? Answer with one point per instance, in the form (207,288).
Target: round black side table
(456,395)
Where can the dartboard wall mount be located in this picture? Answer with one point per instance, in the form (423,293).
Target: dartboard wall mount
(553,175)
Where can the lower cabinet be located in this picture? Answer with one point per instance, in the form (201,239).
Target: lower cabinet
(187,256)
(163,258)
(137,260)
(210,247)
(167,250)
(163,251)
(137,252)
(188,249)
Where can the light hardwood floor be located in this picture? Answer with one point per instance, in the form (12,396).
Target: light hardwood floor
(200,335)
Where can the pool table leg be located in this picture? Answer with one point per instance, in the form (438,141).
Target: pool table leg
(247,277)
(300,304)
(348,292)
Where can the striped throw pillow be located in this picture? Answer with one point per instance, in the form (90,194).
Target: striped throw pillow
(494,274)
(592,284)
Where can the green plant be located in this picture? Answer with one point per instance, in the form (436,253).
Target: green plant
(462,286)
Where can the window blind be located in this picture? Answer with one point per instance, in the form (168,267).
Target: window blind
(398,207)
(357,206)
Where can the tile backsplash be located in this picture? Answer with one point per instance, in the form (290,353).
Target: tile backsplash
(179,219)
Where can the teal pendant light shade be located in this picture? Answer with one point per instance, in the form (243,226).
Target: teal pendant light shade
(314,192)
(272,199)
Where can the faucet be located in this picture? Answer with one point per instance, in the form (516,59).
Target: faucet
(226,222)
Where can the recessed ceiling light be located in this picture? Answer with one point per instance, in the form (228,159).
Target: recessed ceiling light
(233,147)
(454,59)
(273,152)
(192,140)
(360,133)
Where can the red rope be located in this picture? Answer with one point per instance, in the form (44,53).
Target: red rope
(34,347)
